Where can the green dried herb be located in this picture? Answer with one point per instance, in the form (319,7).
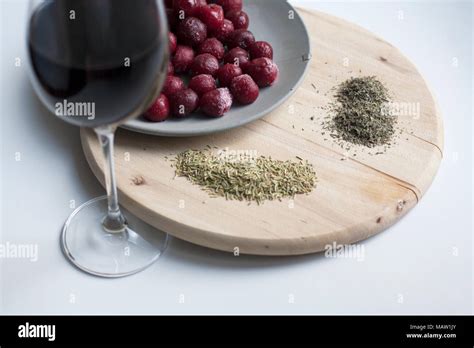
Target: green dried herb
(257,180)
(358,115)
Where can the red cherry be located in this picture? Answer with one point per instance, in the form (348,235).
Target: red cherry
(212,15)
(201,84)
(237,56)
(214,47)
(244,89)
(182,59)
(223,32)
(263,71)
(240,19)
(204,64)
(261,49)
(227,73)
(240,38)
(184,102)
(217,102)
(159,111)
(192,31)
(230,5)
(172,85)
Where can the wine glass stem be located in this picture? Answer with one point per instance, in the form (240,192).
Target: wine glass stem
(114,221)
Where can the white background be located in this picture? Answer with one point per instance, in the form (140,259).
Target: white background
(423,264)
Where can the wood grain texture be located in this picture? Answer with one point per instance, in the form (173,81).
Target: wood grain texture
(356,197)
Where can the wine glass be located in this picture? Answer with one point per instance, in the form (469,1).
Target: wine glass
(97,64)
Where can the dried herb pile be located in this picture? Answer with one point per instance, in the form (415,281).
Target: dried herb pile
(359,113)
(258,180)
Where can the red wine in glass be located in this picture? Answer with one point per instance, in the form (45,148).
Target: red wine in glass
(96,64)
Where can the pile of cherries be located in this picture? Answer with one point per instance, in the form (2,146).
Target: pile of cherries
(211,43)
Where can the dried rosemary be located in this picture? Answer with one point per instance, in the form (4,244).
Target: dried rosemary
(257,180)
(358,115)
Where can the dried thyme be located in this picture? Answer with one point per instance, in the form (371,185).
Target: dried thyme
(260,179)
(358,114)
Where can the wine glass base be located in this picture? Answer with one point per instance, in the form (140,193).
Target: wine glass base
(89,247)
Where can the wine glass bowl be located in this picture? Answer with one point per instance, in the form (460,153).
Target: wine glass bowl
(106,56)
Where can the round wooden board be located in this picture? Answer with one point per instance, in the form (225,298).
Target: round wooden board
(358,194)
